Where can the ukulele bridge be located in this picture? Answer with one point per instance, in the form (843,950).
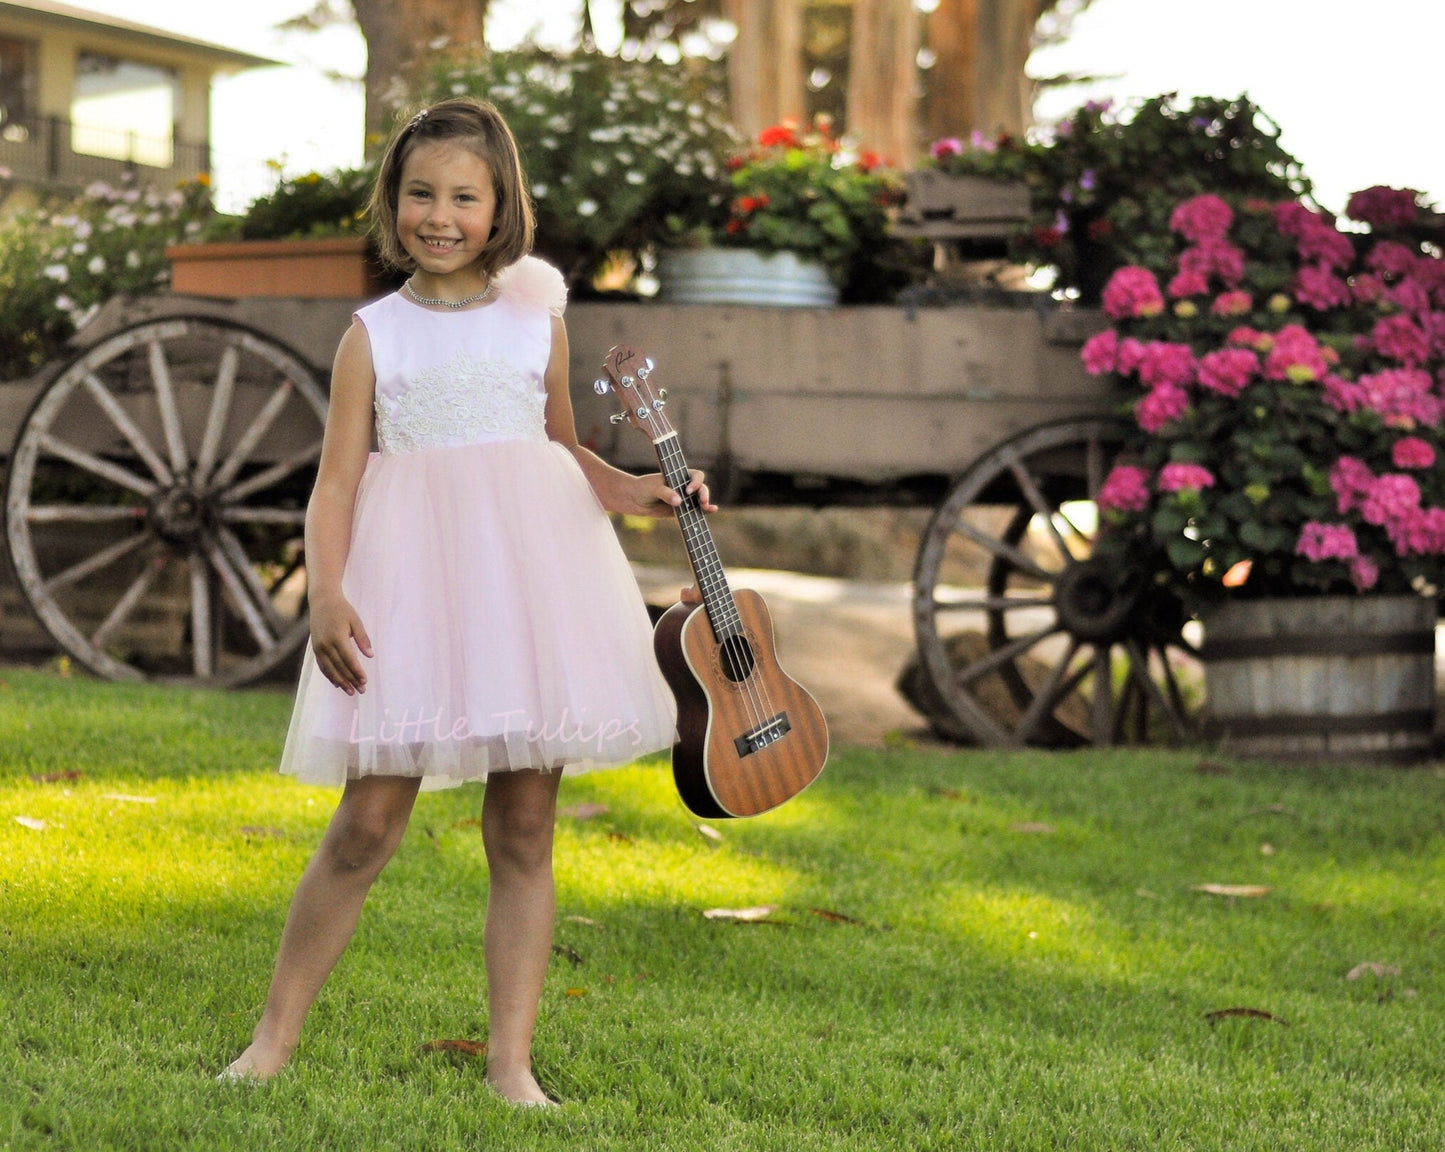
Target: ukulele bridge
(768,732)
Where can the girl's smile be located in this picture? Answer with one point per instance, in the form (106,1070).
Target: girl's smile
(444,217)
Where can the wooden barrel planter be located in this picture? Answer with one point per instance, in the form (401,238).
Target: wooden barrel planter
(743,276)
(1328,678)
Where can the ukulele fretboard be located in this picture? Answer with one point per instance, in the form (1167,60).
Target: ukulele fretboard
(712,582)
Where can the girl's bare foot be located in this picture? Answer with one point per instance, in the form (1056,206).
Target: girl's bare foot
(516,1085)
(259,1062)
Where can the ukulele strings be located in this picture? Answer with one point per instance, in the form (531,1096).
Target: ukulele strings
(759,702)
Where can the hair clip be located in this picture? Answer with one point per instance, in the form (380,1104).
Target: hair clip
(417,119)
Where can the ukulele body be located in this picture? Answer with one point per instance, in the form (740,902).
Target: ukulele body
(745,743)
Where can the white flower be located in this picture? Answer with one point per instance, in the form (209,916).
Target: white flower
(96,265)
(539,191)
(78,249)
(587,208)
(132,258)
(83,230)
(57,272)
(64,302)
(636,178)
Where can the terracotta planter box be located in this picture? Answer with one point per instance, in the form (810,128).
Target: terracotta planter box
(342,267)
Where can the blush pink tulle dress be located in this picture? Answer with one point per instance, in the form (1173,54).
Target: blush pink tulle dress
(507,626)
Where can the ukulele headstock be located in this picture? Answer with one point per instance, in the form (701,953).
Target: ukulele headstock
(627,375)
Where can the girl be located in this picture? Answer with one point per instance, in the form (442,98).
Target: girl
(472,616)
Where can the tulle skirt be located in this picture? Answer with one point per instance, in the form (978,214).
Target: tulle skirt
(506,625)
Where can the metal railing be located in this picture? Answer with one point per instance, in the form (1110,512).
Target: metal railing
(55,153)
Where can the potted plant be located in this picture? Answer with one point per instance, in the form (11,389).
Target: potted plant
(1284,473)
(805,220)
(1104,180)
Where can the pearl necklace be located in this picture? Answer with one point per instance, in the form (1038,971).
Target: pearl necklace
(477,299)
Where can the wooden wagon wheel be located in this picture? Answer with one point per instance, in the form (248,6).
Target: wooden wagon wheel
(155,503)
(1077,651)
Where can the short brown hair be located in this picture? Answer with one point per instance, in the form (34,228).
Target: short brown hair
(479,127)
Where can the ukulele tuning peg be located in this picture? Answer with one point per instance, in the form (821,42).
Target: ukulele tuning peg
(616,418)
(662,393)
(627,381)
(601,387)
(643,413)
(646,370)
(657,405)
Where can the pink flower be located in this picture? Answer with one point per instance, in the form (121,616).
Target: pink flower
(948,146)
(1296,356)
(1351,479)
(1364,573)
(1382,207)
(1400,338)
(1132,292)
(1125,489)
(1412,452)
(1166,364)
(1250,338)
(1390,499)
(1409,295)
(1291,218)
(1216,258)
(1324,245)
(1159,406)
(1101,352)
(1389,258)
(1228,371)
(1188,284)
(1404,397)
(1420,532)
(1319,541)
(1343,395)
(1320,288)
(1236,303)
(1131,355)
(1367,288)
(1176,477)
(1205,217)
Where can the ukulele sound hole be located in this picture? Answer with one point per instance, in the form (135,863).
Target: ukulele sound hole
(737,659)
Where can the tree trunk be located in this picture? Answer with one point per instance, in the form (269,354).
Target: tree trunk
(979,79)
(765,63)
(400,35)
(882,88)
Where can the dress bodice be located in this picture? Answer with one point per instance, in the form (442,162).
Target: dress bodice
(474,376)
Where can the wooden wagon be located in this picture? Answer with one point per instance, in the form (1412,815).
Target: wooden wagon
(158,477)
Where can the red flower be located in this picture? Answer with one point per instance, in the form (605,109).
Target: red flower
(869,160)
(1099,229)
(736,162)
(778,135)
(735,226)
(1047,237)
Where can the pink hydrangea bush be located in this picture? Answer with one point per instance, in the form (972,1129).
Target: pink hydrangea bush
(1288,402)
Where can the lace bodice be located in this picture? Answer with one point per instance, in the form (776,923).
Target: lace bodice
(468,377)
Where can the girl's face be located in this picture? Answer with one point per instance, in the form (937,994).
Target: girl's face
(444,206)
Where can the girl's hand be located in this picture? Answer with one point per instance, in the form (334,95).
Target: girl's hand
(336,634)
(652,496)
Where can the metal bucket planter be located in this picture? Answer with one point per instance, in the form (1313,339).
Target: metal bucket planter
(743,276)
(1326,678)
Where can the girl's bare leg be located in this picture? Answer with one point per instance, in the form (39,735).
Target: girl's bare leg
(360,839)
(517,817)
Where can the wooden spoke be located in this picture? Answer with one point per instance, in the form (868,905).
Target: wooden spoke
(106,556)
(94,464)
(1005,551)
(990,603)
(1042,509)
(220,410)
(170,414)
(1102,697)
(127,603)
(200,617)
(240,597)
(261,597)
(1005,654)
(265,478)
(121,419)
(252,436)
(1047,695)
(83,513)
(246,515)
(1151,696)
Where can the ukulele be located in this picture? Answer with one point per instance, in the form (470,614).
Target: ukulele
(749,736)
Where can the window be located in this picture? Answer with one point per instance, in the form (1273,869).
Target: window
(124,110)
(17,89)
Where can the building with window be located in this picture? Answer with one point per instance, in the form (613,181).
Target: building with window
(87,97)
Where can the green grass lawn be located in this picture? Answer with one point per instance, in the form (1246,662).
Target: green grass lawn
(1024,963)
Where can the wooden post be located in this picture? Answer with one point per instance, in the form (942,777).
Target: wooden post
(882,88)
(765,63)
(978,80)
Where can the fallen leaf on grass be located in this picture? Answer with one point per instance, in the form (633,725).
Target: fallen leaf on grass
(619,837)
(1248,1013)
(710,832)
(1211,768)
(1267,849)
(1032,826)
(742,915)
(30,822)
(1146,893)
(124,799)
(1244,890)
(583,920)
(1371,968)
(54,777)
(585,811)
(466,1047)
(574,993)
(835,917)
(947,793)
(567,953)
(469,822)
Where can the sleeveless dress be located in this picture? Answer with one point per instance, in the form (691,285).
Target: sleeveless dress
(507,626)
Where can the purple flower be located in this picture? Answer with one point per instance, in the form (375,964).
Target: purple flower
(1088,181)
(1383,207)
